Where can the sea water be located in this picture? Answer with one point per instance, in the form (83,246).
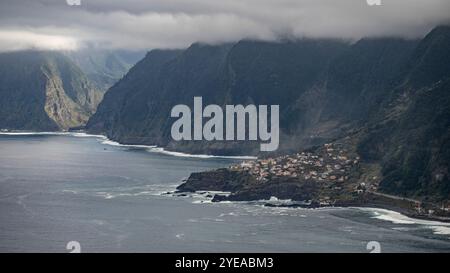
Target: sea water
(57,188)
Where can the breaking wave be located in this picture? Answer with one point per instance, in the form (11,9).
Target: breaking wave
(440,228)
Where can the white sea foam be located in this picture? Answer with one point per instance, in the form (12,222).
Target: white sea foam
(204,197)
(71,191)
(114,143)
(180,154)
(160,150)
(146,190)
(441,228)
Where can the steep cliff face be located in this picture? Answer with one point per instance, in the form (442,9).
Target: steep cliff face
(349,93)
(394,93)
(323,87)
(410,134)
(123,113)
(137,109)
(44,91)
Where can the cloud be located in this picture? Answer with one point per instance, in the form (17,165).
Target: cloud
(12,40)
(147,24)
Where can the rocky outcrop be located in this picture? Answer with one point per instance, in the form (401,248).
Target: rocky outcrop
(323,175)
(284,189)
(218,180)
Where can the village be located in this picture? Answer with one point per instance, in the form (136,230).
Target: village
(330,164)
(332,174)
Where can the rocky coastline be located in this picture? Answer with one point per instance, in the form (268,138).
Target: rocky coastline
(328,176)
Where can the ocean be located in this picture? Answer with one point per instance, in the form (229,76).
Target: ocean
(61,187)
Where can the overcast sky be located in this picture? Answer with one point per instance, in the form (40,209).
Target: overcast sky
(148,24)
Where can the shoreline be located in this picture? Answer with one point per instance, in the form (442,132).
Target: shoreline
(385,204)
(445,221)
(107,141)
(303,194)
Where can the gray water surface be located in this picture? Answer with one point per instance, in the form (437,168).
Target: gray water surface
(55,189)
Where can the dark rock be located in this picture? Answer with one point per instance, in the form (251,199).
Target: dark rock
(219,180)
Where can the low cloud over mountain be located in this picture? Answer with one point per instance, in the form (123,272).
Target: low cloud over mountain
(137,24)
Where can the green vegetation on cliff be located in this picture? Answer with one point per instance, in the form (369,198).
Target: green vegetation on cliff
(393,92)
(44,91)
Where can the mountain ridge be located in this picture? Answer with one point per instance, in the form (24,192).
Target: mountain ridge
(42,90)
(390,91)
